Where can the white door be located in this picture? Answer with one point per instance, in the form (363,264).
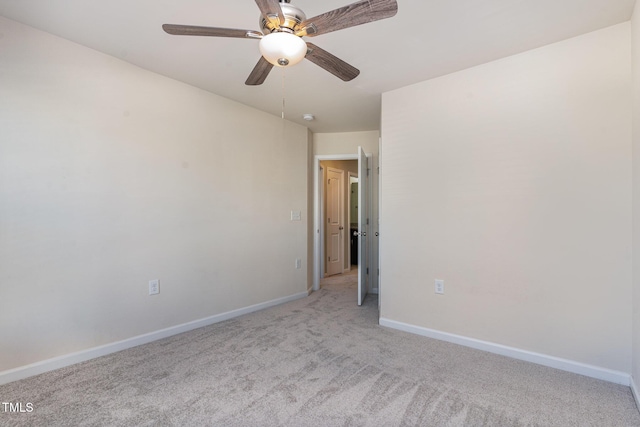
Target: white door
(334,233)
(363,220)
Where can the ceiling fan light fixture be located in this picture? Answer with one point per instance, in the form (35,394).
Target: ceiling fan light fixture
(283,49)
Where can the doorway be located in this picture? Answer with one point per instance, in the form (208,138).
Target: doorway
(335,232)
(335,215)
(359,168)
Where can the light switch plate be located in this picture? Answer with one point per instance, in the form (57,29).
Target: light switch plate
(296,216)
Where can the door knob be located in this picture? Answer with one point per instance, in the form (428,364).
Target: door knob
(377,234)
(341,228)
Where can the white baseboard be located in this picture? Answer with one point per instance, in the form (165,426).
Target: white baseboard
(103,350)
(636,392)
(540,359)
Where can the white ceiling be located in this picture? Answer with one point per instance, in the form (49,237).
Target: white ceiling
(426,39)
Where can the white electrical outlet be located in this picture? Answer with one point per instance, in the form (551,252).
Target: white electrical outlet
(439,286)
(298,263)
(154,287)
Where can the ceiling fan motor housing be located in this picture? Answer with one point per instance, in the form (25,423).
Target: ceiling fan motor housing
(293,16)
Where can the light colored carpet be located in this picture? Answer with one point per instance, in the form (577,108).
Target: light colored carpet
(319,361)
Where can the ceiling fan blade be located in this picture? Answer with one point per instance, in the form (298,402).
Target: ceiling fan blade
(331,63)
(271,10)
(354,14)
(192,30)
(259,73)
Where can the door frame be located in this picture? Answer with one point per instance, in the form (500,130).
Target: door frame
(318,205)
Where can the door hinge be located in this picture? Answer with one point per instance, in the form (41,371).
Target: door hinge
(378,272)
(329,220)
(368,171)
(367,270)
(367,221)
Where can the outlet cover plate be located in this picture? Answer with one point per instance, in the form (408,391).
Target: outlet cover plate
(439,287)
(154,287)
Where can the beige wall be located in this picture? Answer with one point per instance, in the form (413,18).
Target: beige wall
(309,220)
(636,194)
(347,143)
(111,176)
(512,182)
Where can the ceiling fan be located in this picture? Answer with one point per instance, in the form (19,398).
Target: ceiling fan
(282,27)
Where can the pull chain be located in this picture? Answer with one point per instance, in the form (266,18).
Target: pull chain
(283,94)
(283,104)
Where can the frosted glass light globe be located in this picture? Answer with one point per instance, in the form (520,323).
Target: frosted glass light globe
(283,49)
